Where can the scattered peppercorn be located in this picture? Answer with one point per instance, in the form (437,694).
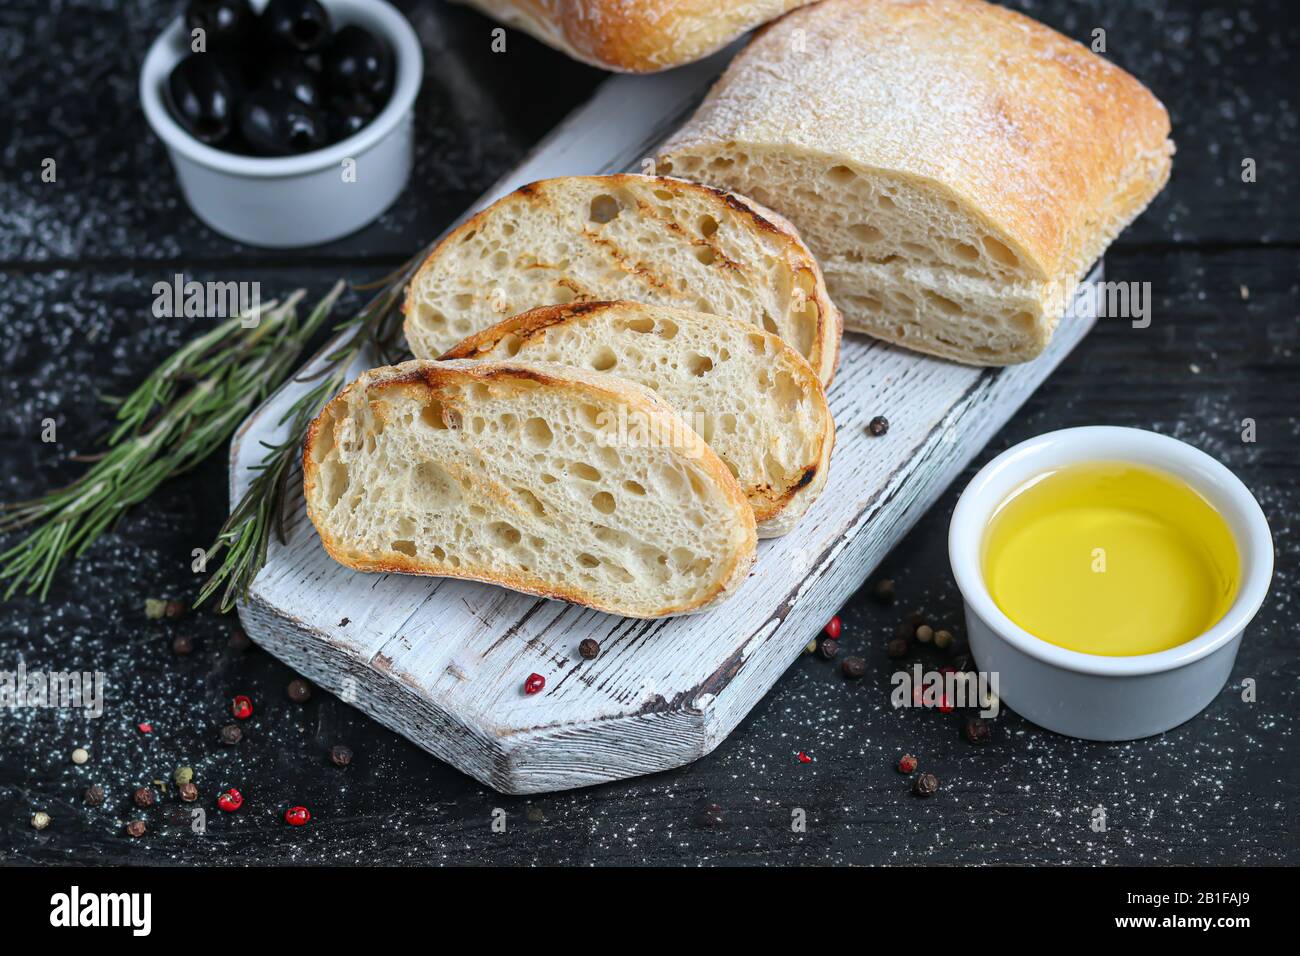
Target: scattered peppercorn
(943,640)
(231,800)
(40,820)
(182,644)
(589,649)
(299,691)
(145,727)
(708,815)
(926,785)
(803,757)
(241,707)
(144,797)
(297,816)
(906,763)
(833,628)
(534,814)
(340,755)
(183,775)
(884,591)
(231,734)
(154,608)
(93,796)
(174,609)
(189,793)
(878,425)
(898,648)
(906,631)
(811,647)
(238,639)
(135,828)
(534,684)
(925,633)
(853,667)
(977,731)
(828,648)
(80,755)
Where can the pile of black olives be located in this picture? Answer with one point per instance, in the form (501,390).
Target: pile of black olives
(277,84)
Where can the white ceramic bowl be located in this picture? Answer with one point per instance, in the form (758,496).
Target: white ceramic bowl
(1087,695)
(295,200)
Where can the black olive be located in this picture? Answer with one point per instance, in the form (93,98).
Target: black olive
(348,115)
(296,81)
(357,62)
(302,25)
(203,97)
(275,124)
(223,22)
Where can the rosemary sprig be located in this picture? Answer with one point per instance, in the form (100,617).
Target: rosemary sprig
(176,418)
(246,535)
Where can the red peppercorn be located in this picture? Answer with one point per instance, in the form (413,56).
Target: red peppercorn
(945,705)
(297,816)
(804,758)
(231,800)
(906,763)
(241,707)
(833,628)
(145,728)
(534,684)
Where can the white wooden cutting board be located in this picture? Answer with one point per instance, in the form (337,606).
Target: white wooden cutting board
(443,662)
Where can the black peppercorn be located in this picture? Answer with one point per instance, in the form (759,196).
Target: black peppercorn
(853,667)
(927,784)
(238,639)
(884,591)
(828,648)
(135,828)
(898,648)
(341,755)
(906,631)
(299,691)
(93,796)
(977,731)
(174,609)
(878,425)
(588,649)
(189,793)
(182,644)
(231,734)
(906,763)
(144,797)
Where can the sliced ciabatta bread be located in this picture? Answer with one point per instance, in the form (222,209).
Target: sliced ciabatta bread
(955,166)
(510,472)
(749,395)
(643,238)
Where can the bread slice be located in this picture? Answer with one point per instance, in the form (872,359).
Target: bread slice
(643,238)
(744,391)
(639,37)
(956,167)
(506,472)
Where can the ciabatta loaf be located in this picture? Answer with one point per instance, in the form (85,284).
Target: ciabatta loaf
(956,167)
(754,400)
(508,472)
(643,238)
(636,36)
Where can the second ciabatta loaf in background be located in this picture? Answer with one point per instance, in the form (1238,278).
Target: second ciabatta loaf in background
(635,36)
(503,472)
(642,238)
(956,167)
(745,392)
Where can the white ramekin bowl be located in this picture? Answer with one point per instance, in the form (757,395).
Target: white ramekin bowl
(1087,695)
(295,200)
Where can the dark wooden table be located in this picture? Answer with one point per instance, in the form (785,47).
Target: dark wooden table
(80,257)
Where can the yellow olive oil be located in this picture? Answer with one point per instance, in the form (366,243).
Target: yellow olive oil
(1110,558)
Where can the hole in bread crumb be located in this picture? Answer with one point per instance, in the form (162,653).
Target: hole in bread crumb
(405,547)
(705,255)
(604,359)
(588,560)
(884,202)
(504,533)
(1023,320)
(708,226)
(966,252)
(839,174)
(604,208)
(698,364)
(942,303)
(768,324)
(664,194)
(532,502)
(864,232)
(537,433)
(584,471)
(633,487)
(603,502)
(432,414)
(1001,253)
(642,325)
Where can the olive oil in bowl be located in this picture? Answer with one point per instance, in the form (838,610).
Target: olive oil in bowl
(1110,558)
